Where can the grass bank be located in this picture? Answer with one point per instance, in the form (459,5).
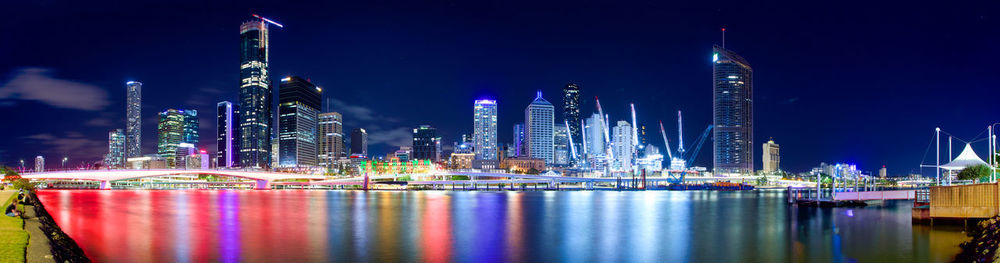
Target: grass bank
(13,238)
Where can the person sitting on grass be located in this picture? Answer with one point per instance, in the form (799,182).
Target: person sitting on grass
(12,209)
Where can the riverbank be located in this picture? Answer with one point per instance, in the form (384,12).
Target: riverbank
(13,238)
(48,243)
(984,244)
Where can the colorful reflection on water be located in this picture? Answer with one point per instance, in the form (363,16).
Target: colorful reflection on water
(441,226)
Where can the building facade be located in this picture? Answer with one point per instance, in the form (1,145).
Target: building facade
(770,157)
(539,119)
(133,115)
(299,102)
(426,144)
(116,150)
(175,127)
(255,96)
(359,142)
(594,130)
(485,129)
(331,139)
(226,136)
(519,139)
(732,83)
(622,146)
(39,164)
(560,141)
(571,114)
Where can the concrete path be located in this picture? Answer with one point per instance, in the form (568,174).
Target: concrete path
(38,244)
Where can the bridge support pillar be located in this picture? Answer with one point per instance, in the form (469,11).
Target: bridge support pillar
(263,185)
(105,185)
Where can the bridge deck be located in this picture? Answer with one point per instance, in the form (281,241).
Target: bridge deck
(876,195)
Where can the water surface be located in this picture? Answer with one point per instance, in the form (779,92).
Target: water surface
(441,226)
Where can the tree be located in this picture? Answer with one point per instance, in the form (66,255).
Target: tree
(974,172)
(532,171)
(9,175)
(24,184)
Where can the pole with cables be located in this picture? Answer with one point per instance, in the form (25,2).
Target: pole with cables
(937,158)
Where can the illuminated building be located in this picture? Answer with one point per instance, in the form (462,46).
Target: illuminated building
(461,160)
(39,164)
(182,156)
(651,159)
(331,139)
(485,129)
(523,164)
(133,114)
(298,119)
(175,127)
(770,157)
(227,136)
(426,144)
(560,140)
(403,154)
(146,162)
(595,136)
(116,149)
(519,139)
(539,119)
(255,96)
(359,142)
(622,146)
(571,113)
(732,112)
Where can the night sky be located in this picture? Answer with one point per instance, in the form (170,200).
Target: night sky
(864,84)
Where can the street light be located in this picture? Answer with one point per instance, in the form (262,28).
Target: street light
(64,162)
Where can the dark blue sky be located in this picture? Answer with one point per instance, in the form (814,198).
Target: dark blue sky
(857,83)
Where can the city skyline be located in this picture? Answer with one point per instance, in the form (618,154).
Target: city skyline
(780,108)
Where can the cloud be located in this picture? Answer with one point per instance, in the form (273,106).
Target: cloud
(36,84)
(71,143)
(204,97)
(357,113)
(401,136)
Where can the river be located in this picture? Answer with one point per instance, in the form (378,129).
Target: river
(459,226)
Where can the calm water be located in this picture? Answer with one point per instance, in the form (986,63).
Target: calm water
(431,226)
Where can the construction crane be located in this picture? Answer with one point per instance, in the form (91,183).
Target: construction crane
(666,144)
(268,20)
(572,148)
(680,135)
(698,143)
(604,127)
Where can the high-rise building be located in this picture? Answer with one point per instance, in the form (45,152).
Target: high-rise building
(426,144)
(298,119)
(560,140)
(595,136)
(539,119)
(331,139)
(732,83)
(485,129)
(133,115)
(519,139)
(255,96)
(181,154)
(770,157)
(227,136)
(571,113)
(359,142)
(116,149)
(39,164)
(882,172)
(175,127)
(622,148)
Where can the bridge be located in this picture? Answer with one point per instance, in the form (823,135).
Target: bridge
(105,177)
(876,195)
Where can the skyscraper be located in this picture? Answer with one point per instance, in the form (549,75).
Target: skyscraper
(176,127)
(571,113)
(116,149)
(298,119)
(595,136)
(359,142)
(770,157)
(226,137)
(331,139)
(732,83)
(255,96)
(39,164)
(133,114)
(485,129)
(539,119)
(560,140)
(519,139)
(426,144)
(622,146)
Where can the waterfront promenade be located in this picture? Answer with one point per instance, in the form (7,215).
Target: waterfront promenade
(13,238)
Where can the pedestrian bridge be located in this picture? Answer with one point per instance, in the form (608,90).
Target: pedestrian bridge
(876,195)
(105,177)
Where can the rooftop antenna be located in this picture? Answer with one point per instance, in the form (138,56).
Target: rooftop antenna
(723,37)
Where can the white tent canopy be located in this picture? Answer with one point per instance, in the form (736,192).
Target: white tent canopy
(967,158)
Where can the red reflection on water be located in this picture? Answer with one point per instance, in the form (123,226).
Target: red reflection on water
(436,226)
(171,226)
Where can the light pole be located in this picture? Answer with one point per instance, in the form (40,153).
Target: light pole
(64,162)
(992,149)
